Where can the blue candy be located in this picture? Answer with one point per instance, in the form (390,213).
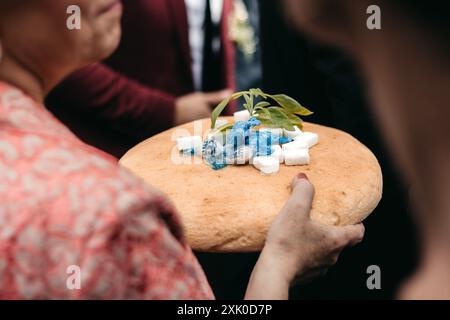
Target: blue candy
(261,143)
(213,154)
(188,151)
(237,137)
(253,122)
(240,134)
(284,140)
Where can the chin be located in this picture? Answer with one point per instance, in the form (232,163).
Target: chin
(106,45)
(305,13)
(112,41)
(319,18)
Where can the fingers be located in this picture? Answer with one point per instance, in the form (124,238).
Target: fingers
(351,234)
(216,97)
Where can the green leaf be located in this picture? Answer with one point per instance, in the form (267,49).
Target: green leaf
(304,112)
(291,105)
(237,95)
(221,106)
(263,114)
(261,105)
(258,93)
(249,103)
(295,120)
(280,119)
(265,122)
(218,110)
(247,98)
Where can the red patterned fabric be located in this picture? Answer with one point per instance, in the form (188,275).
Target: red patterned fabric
(63,203)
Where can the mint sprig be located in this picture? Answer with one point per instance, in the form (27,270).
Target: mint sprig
(274,111)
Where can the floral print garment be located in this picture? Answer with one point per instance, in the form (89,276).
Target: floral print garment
(65,205)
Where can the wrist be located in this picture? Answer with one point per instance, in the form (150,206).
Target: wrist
(285,263)
(277,264)
(267,281)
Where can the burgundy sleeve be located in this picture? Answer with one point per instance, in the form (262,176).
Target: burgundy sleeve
(131,108)
(229,58)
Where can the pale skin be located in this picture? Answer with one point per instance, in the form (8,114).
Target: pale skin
(197,105)
(297,248)
(408,75)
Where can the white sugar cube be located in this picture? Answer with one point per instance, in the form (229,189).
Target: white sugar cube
(292,134)
(295,145)
(214,136)
(253,160)
(267,165)
(188,143)
(244,154)
(309,138)
(296,157)
(220,123)
(243,115)
(277,153)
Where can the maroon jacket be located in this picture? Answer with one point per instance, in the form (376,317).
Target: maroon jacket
(131,95)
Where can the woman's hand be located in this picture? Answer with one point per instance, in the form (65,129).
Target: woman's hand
(298,248)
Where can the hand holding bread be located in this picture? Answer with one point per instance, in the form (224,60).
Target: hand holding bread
(297,248)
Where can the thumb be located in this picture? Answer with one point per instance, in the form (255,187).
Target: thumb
(216,97)
(302,194)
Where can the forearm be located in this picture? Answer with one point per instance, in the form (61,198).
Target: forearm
(102,93)
(267,282)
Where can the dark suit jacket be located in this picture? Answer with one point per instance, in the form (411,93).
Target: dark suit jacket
(131,95)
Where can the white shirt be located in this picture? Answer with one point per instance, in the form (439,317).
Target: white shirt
(196,18)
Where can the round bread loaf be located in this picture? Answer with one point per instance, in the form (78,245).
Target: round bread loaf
(230,210)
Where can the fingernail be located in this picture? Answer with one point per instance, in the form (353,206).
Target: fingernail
(301,175)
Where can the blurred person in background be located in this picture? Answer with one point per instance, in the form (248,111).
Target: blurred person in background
(325,79)
(174,64)
(407,71)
